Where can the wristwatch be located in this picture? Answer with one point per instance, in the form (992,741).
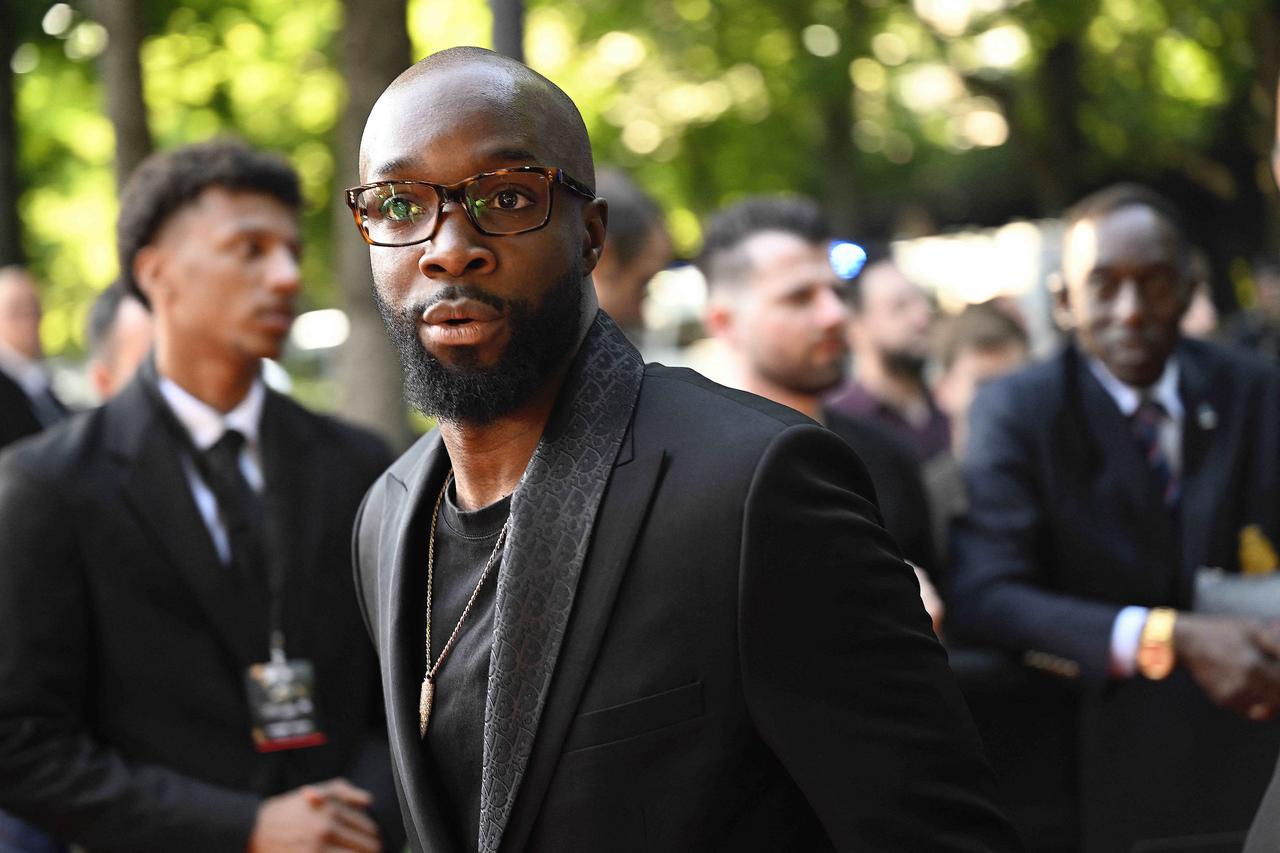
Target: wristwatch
(1155,644)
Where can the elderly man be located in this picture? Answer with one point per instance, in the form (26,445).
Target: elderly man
(618,607)
(27,403)
(1099,483)
(182,659)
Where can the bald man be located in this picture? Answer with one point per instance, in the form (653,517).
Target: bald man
(27,403)
(618,607)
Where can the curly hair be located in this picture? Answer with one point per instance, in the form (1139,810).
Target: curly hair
(168,181)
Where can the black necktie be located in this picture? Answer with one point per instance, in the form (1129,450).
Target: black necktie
(239,506)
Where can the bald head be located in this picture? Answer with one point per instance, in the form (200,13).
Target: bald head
(453,85)
(20,312)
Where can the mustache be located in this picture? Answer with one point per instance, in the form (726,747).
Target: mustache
(454,292)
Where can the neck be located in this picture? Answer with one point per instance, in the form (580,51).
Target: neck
(805,404)
(221,382)
(489,459)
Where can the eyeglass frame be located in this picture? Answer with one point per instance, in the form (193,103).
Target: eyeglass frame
(446,193)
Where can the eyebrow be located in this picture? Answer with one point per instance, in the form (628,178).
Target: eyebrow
(400,165)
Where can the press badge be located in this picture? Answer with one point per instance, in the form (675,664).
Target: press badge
(282,705)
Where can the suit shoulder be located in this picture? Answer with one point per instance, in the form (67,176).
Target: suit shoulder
(1233,363)
(64,450)
(680,388)
(354,441)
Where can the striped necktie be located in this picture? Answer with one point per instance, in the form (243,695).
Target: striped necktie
(1147,421)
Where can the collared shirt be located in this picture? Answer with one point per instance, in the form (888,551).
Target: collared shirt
(1126,631)
(206,425)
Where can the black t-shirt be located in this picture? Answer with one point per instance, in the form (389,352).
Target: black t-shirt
(455,737)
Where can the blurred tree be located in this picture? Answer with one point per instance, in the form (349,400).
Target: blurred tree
(508,27)
(370,379)
(121,71)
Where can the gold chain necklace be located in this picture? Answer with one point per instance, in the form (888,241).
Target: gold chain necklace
(429,680)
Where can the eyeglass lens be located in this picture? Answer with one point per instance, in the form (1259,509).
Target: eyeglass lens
(401,214)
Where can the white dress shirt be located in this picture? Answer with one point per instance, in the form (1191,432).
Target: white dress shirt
(206,425)
(1126,631)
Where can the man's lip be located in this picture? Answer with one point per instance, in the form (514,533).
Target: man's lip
(458,310)
(278,317)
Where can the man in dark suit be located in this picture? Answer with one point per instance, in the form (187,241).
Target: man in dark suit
(617,607)
(778,305)
(172,558)
(27,403)
(1099,482)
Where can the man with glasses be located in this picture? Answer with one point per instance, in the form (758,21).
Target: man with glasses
(182,664)
(617,607)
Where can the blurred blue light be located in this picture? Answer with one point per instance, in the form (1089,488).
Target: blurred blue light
(847,259)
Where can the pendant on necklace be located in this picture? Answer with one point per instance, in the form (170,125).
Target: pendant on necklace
(424,704)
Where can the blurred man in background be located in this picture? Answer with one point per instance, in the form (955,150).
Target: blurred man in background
(981,343)
(1099,483)
(27,402)
(780,309)
(889,328)
(119,337)
(636,248)
(1258,328)
(182,661)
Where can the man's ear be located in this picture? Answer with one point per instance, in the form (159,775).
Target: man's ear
(718,319)
(595,219)
(1060,301)
(147,264)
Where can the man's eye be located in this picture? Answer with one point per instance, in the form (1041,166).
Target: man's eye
(400,209)
(507,198)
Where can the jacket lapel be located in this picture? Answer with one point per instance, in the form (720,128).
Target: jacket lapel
(295,521)
(400,639)
(1206,465)
(155,484)
(553,513)
(621,517)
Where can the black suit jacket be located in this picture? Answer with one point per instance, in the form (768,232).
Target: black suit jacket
(17,418)
(1065,528)
(123,642)
(895,470)
(704,639)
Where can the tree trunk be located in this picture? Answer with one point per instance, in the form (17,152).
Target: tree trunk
(122,82)
(508,27)
(375,49)
(10,227)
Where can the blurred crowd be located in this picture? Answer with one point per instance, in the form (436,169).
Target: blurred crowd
(1094,533)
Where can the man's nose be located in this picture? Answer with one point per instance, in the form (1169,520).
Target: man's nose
(285,272)
(1128,307)
(456,248)
(830,310)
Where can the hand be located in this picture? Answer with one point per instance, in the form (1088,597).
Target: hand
(929,597)
(1235,661)
(321,818)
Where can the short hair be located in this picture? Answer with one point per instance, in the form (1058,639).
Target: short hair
(981,326)
(722,261)
(1117,196)
(633,215)
(168,181)
(102,318)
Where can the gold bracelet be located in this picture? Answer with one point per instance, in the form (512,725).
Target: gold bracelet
(1155,645)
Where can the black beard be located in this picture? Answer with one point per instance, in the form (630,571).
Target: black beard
(467,392)
(904,363)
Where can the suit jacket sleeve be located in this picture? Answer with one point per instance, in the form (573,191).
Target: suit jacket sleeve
(842,674)
(1001,591)
(54,772)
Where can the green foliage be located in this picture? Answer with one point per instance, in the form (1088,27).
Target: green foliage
(973,111)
